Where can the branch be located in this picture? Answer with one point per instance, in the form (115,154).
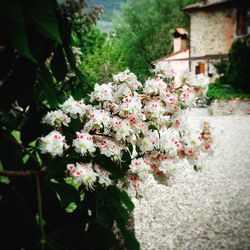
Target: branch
(12,173)
(22,173)
(40,212)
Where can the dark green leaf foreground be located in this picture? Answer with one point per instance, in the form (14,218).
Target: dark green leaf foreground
(39,209)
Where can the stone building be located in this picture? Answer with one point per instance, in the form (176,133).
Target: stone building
(214,25)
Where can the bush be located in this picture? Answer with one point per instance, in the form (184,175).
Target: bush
(218,90)
(237,70)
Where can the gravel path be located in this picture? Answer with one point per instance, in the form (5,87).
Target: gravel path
(206,210)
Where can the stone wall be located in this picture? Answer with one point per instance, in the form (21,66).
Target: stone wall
(212,32)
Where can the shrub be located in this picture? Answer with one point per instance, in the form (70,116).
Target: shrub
(237,70)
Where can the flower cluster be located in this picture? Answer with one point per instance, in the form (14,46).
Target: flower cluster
(126,117)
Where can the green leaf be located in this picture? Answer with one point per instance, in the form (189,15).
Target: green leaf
(58,64)
(47,84)
(129,238)
(126,200)
(66,192)
(121,212)
(56,168)
(32,127)
(42,15)
(13,27)
(10,153)
(109,165)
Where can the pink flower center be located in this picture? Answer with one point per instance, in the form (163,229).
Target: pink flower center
(57,137)
(137,163)
(177,123)
(128,100)
(80,136)
(104,143)
(132,120)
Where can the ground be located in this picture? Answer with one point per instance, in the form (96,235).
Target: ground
(209,209)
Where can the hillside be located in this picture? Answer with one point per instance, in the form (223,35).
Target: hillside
(108,7)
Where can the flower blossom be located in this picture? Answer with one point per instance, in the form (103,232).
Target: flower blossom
(53,144)
(139,167)
(83,173)
(73,108)
(109,148)
(83,143)
(103,92)
(146,122)
(56,117)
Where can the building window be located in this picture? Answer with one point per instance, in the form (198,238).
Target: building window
(200,68)
(241,22)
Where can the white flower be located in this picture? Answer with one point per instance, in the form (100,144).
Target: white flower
(192,139)
(163,69)
(83,143)
(136,186)
(121,91)
(109,148)
(151,87)
(155,109)
(73,108)
(170,142)
(188,98)
(128,77)
(56,117)
(98,119)
(171,101)
(53,143)
(122,129)
(130,105)
(179,123)
(84,173)
(103,92)
(139,167)
(154,86)
(150,142)
(151,125)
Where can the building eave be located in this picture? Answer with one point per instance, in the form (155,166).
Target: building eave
(170,55)
(206,57)
(206,5)
(203,6)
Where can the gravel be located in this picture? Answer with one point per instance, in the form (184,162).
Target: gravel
(209,209)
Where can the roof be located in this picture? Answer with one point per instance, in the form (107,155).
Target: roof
(194,58)
(181,31)
(206,4)
(206,57)
(173,54)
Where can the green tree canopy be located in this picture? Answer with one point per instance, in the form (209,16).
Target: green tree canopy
(145,29)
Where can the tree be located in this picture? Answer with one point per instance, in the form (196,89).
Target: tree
(36,204)
(237,72)
(105,61)
(145,30)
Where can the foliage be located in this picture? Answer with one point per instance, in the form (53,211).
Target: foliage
(145,29)
(39,209)
(218,90)
(234,71)
(221,66)
(105,61)
(237,73)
